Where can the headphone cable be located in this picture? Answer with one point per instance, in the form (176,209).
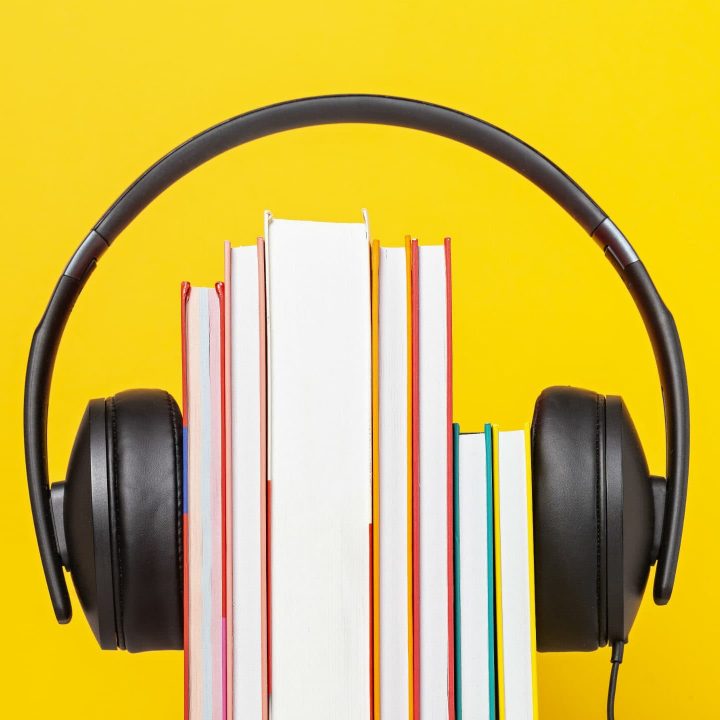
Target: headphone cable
(616,658)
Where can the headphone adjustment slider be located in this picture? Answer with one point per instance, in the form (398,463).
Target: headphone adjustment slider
(614,244)
(83,262)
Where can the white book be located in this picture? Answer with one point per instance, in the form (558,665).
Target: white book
(320,468)
(435,551)
(244,280)
(394,515)
(204,544)
(516,605)
(474,621)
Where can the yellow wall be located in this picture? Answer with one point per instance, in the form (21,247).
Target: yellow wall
(623,95)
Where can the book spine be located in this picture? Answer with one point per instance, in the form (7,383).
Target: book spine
(457,688)
(184,295)
(224,480)
(498,575)
(490,498)
(228,483)
(450,486)
(414,285)
(264,489)
(375,524)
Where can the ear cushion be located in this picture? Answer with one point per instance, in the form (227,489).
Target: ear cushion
(144,429)
(631,519)
(568,450)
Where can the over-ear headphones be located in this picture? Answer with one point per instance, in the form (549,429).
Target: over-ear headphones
(118,520)
(600,520)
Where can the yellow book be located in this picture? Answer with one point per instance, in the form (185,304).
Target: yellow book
(515,576)
(391,467)
(411,265)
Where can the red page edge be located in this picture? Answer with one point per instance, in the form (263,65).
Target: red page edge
(415,350)
(228,485)
(220,290)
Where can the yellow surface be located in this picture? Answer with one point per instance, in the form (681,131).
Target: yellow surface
(623,95)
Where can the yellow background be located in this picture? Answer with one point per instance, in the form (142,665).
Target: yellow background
(622,95)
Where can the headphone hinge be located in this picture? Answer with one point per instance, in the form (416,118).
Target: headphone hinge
(57,503)
(83,262)
(658,486)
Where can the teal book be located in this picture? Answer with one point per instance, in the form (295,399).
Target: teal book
(474,576)
(456,570)
(490,500)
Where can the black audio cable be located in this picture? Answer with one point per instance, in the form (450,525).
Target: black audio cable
(616,658)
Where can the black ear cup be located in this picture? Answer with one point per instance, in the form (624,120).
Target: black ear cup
(593,519)
(569,519)
(123,520)
(633,529)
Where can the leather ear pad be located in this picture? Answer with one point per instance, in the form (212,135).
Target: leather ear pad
(145,478)
(568,448)
(123,520)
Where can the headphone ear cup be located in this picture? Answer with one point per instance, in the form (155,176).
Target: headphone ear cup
(123,520)
(593,515)
(145,457)
(86,525)
(568,468)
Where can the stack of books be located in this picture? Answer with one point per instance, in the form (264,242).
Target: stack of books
(349,554)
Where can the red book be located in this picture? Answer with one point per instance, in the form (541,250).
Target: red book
(433,585)
(413,256)
(184,295)
(203,497)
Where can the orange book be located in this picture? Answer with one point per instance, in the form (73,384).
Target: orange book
(393,488)
(375,525)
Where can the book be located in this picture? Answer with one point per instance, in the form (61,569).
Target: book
(515,599)
(474,569)
(413,282)
(491,602)
(394,510)
(247,490)
(434,607)
(348,552)
(203,431)
(320,468)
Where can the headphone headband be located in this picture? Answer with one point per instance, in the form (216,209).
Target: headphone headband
(379,110)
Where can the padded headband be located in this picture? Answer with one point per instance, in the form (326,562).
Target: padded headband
(379,110)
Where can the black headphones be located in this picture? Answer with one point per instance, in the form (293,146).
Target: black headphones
(600,520)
